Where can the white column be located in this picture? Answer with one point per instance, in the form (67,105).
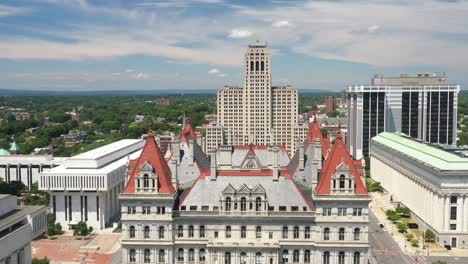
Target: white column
(446,213)
(460,212)
(465,212)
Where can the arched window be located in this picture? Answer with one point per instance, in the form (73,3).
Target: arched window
(243,204)
(357,234)
(180,231)
(307,232)
(296,256)
(243,232)
(307,256)
(257,68)
(132,232)
(161,232)
(228,204)
(202,255)
(258,204)
(296,232)
(326,257)
(146,181)
(147,232)
(326,233)
(285,256)
(357,258)
(147,256)
(132,255)
(180,254)
(228,231)
(243,258)
(341,257)
(227,258)
(190,231)
(285,232)
(202,231)
(162,256)
(342,182)
(258,258)
(252,66)
(191,255)
(341,234)
(258,232)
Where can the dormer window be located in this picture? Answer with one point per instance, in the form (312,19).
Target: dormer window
(342,181)
(147,180)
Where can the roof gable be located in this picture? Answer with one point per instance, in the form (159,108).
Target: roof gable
(229,190)
(315,132)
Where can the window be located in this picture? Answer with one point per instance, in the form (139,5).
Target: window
(326,212)
(180,254)
(453,213)
(132,232)
(307,232)
(162,256)
(258,204)
(191,255)
(357,211)
(326,257)
(193,208)
(294,209)
(243,232)
(342,182)
(357,233)
(341,234)
(190,230)
(228,231)
(285,232)
(341,211)
(146,181)
(243,204)
(453,199)
(341,257)
(258,232)
(270,235)
(202,255)
(258,258)
(202,231)
(146,209)
(132,257)
(161,232)
(243,258)
(453,226)
(285,256)
(147,232)
(326,233)
(216,234)
(282,208)
(296,232)
(307,256)
(227,258)
(296,256)
(357,258)
(228,204)
(147,256)
(180,231)
(131,209)
(205,208)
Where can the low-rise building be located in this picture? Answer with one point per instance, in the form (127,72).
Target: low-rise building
(162,101)
(19,225)
(431,181)
(86,186)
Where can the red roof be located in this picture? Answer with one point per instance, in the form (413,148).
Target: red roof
(315,132)
(153,156)
(338,154)
(188,131)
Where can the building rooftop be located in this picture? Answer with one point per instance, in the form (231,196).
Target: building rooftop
(433,156)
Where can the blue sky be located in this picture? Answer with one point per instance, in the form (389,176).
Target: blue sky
(199,44)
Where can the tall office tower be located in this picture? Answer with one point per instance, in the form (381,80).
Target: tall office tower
(422,106)
(257,113)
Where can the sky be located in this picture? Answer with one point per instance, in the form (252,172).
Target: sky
(71,45)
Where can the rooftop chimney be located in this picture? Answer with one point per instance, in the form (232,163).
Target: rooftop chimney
(275,163)
(213,165)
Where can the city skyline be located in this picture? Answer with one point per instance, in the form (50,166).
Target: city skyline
(198,44)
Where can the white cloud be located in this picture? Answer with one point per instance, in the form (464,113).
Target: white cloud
(129,70)
(142,76)
(281,23)
(6,10)
(222,75)
(240,33)
(373,28)
(213,71)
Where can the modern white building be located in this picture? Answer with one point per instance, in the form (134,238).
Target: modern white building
(431,181)
(248,206)
(86,186)
(422,106)
(258,113)
(19,225)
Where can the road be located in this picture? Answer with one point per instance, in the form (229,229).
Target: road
(382,246)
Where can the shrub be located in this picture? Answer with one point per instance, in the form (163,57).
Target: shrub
(394,218)
(45,260)
(414,242)
(403,211)
(402,227)
(390,212)
(409,236)
(81,229)
(429,236)
(439,262)
(52,227)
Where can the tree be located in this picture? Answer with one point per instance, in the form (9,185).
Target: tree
(333,114)
(45,260)
(403,211)
(439,262)
(414,242)
(394,218)
(13,188)
(81,229)
(429,236)
(52,227)
(409,236)
(402,228)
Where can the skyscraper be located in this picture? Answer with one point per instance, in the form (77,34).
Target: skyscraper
(422,106)
(257,113)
